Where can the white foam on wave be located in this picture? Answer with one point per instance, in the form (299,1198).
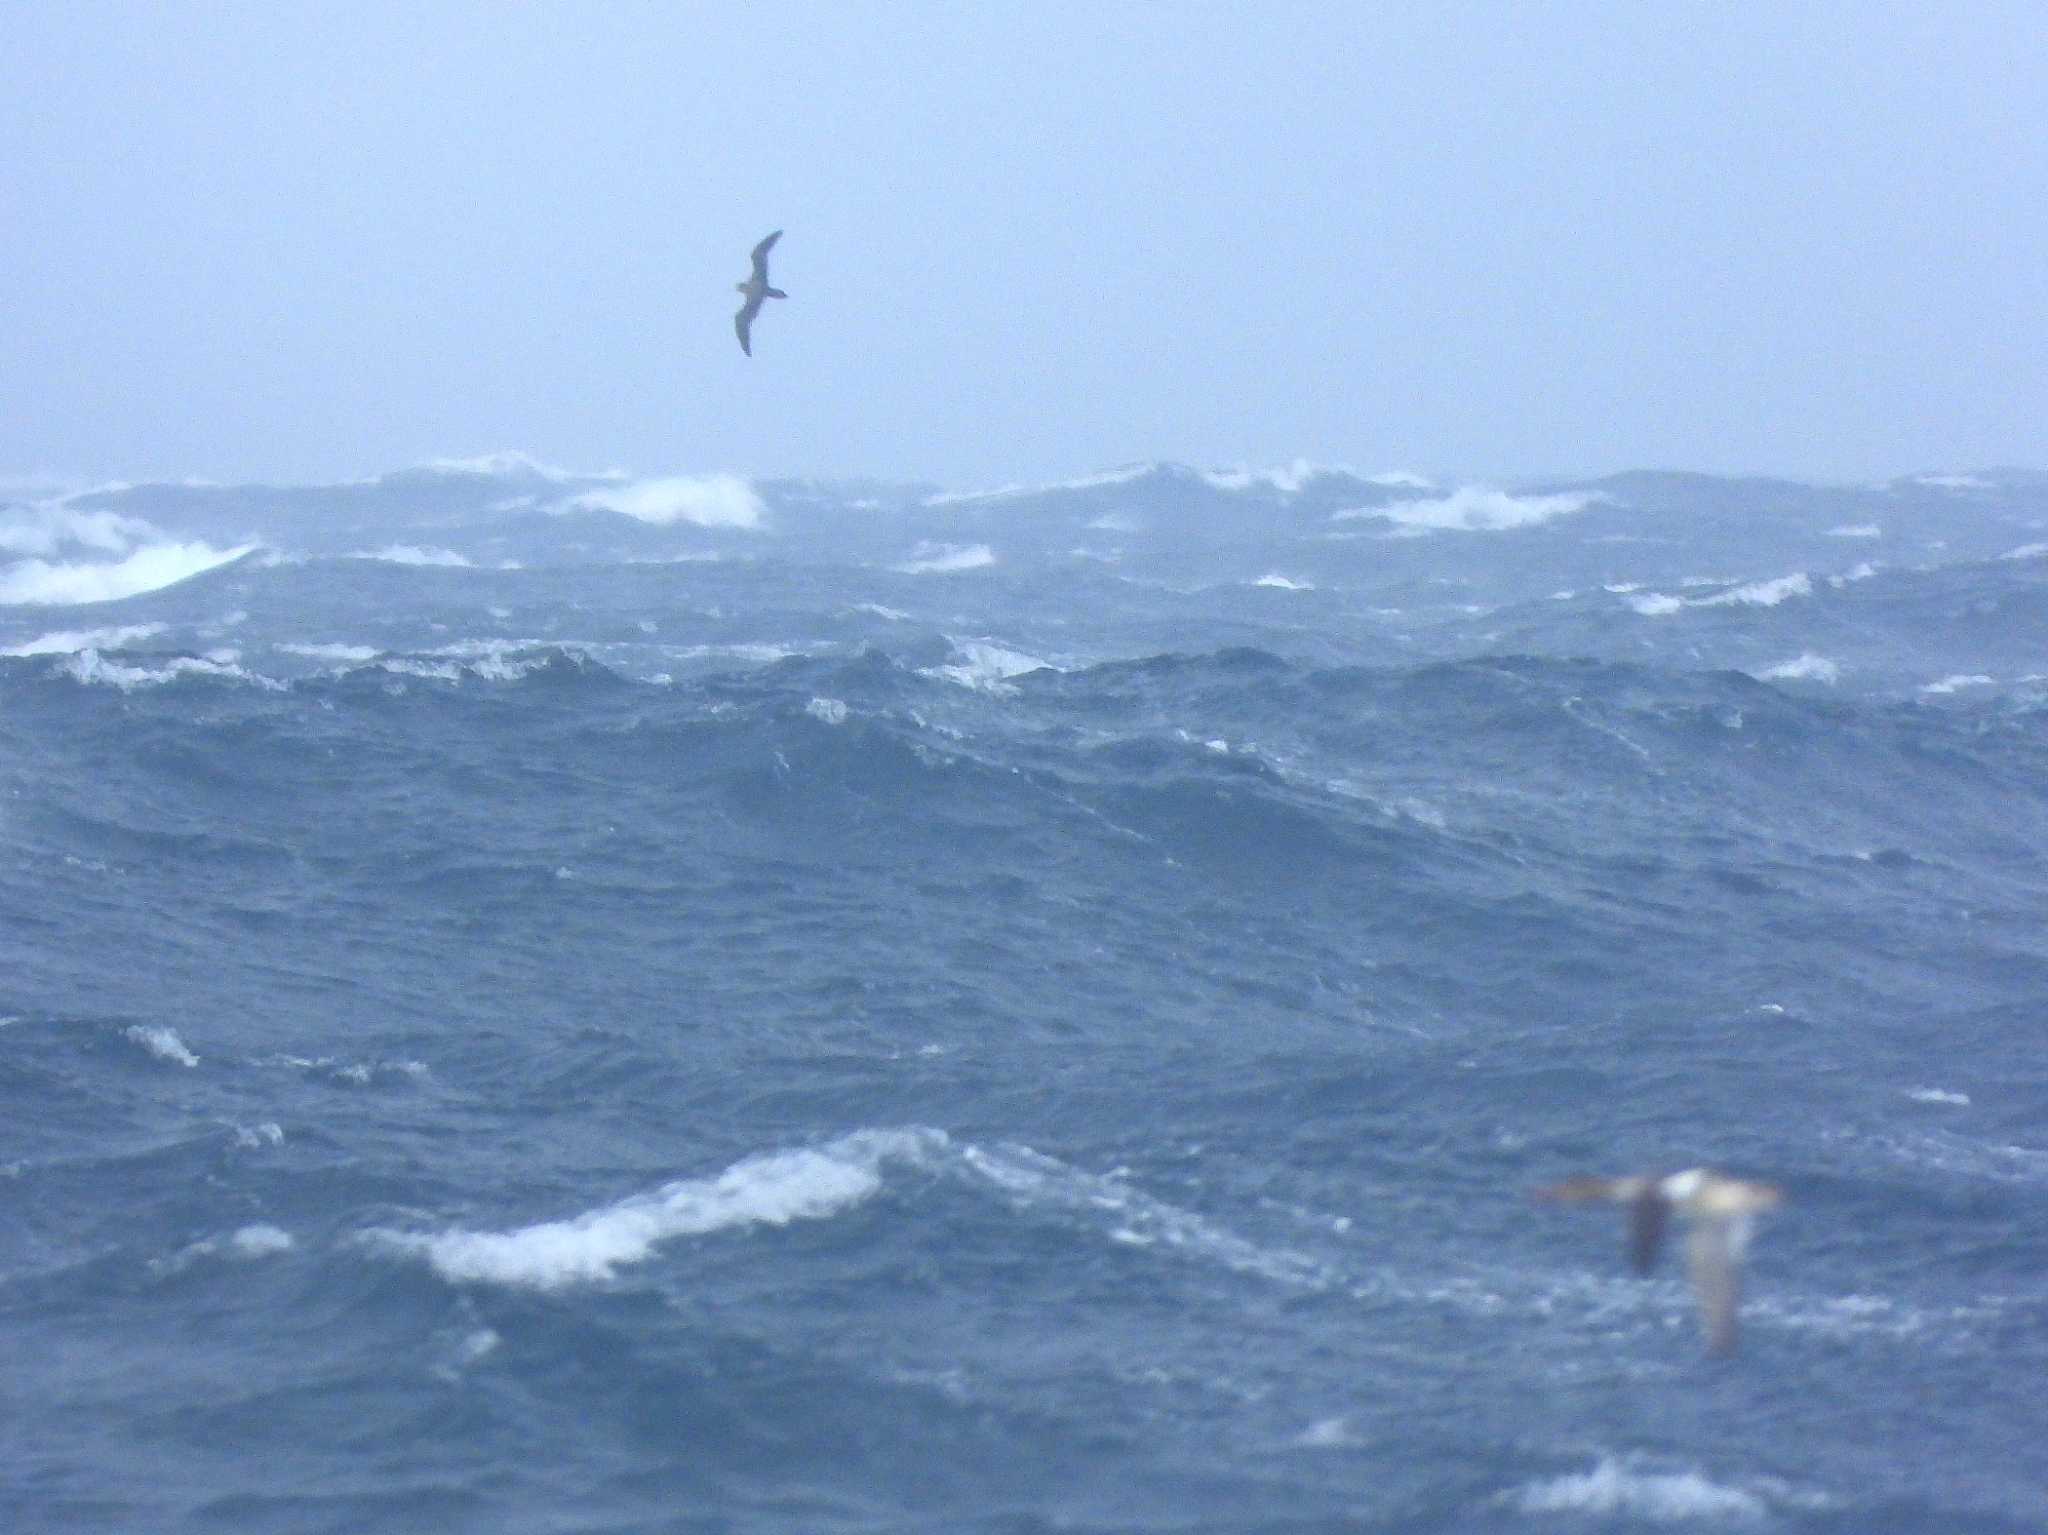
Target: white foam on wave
(260,1242)
(1654,604)
(2025,552)
(706,500)
(1129,1216)
(247,1245)
(830,711)
(1115,522)
(511,462)
(50,527)
(1283,583)
(1957,682)
(41,583)
(929,558)
(1289,479)
(1476,509)
(1122,474)
(769,1190)
(1857,530)
(1804,667)
(1938,1095)
(1953,481)
(412,554)
(985,665)
(95,670)
(1663,1497)
(1762,594)
(346,654)
(162,1043)
(64,641)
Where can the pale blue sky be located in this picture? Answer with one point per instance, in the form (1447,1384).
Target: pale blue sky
(301,241)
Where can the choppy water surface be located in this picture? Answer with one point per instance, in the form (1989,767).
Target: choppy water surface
(543,1003)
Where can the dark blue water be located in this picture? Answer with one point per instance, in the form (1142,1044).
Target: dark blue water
(536,1003)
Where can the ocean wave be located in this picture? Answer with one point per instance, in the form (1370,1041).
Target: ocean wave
(162,1043)
(706,501)
(51,527)
(773,1189)
(1614,1487)
(413,554)
(95,670)
(1805,667)
(249,1244)
(1476,509)
(985,665)
(937,558)
(1127,1215)
(40,583)
(65,641)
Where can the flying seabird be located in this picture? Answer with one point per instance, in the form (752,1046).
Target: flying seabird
(1718,1213)
(756,290)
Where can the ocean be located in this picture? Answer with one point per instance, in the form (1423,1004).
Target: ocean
(548,1002)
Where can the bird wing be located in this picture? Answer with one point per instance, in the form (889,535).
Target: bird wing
(742,323)
(761,255)
(1713,1254)
(1648,1214)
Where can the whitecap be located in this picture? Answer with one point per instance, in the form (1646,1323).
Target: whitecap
(1762,594)
(246,1245)
(506,463)
(1655,604)
(1288,479)
(928,558)
(1477,509)
(63,641)
(1857,530)
(831,711)
(1938,1095)
(37,582)
(981,664)
(768,1190)
(48,528)
(162,1043)
(260,1242)
(412,554)
(1662,1497)
(1120,475)
(1957,682)
(95,670)
(707,500)
(1805,667)
(349,654)
(1131,1217)
(1283,583)
(2025,552)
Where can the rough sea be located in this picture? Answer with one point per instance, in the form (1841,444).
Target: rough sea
(544,1002)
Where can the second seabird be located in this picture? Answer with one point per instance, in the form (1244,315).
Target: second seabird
(1718,1212)
(756,291)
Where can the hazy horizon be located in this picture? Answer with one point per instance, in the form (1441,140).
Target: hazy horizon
(325,243)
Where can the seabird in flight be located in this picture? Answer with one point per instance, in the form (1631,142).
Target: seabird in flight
(756,290)
(1718,1212)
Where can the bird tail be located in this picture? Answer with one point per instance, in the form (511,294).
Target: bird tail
(773,293)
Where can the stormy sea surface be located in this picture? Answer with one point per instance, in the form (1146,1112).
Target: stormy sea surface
(538,1001)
